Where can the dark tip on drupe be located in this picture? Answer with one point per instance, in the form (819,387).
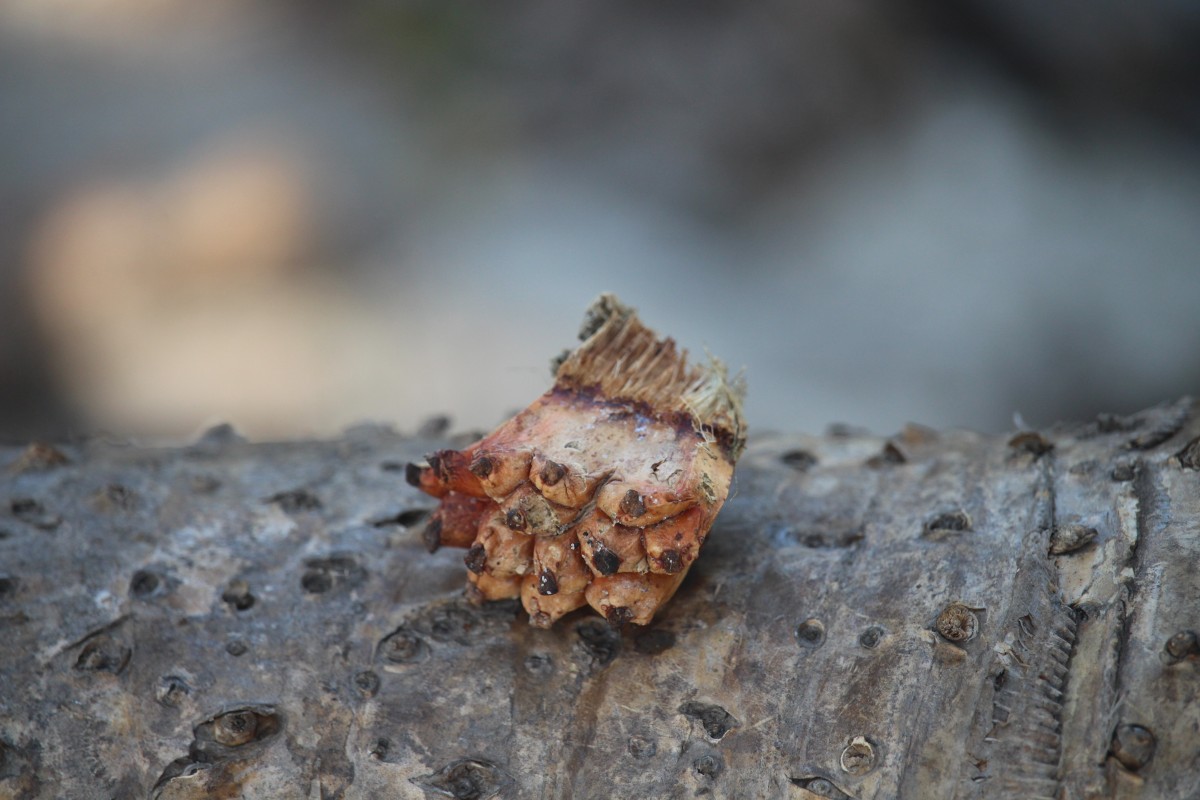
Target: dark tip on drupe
(672,562)
(632,504)
(514,519)
(552,473)
(412,474)
(547,583)
(618,616)
(482,467)
(476,558)
(604,560)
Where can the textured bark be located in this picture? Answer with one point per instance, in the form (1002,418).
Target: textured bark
(933,615)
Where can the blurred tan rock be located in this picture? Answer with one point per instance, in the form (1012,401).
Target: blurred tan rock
(113,21)
(168,301)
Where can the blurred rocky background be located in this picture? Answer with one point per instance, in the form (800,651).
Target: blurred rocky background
(295,216)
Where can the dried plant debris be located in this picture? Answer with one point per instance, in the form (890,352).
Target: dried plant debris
(602,491)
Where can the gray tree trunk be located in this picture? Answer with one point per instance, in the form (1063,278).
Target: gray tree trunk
(938,615)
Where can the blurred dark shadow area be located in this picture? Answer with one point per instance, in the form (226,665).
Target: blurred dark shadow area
(296,216)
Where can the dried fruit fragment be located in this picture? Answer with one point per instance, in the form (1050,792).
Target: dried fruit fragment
(609,548)
(483,587)
(629,597)
(602,491)
(545,609)
(505,552)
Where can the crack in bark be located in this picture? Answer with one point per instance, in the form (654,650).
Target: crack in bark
(1025,740)
(1146,492)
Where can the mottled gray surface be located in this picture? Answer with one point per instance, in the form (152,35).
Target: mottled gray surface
(870,619)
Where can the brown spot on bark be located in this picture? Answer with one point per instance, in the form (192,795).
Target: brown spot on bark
(811,633)
(715,720)
(799,460)
(237,594)
(1182,645)
(957,623)
(432,535)
(1069,538)
(144,583)
(1133,746)
(1031,442)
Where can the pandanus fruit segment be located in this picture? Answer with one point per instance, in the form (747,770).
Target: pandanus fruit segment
(602,491)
